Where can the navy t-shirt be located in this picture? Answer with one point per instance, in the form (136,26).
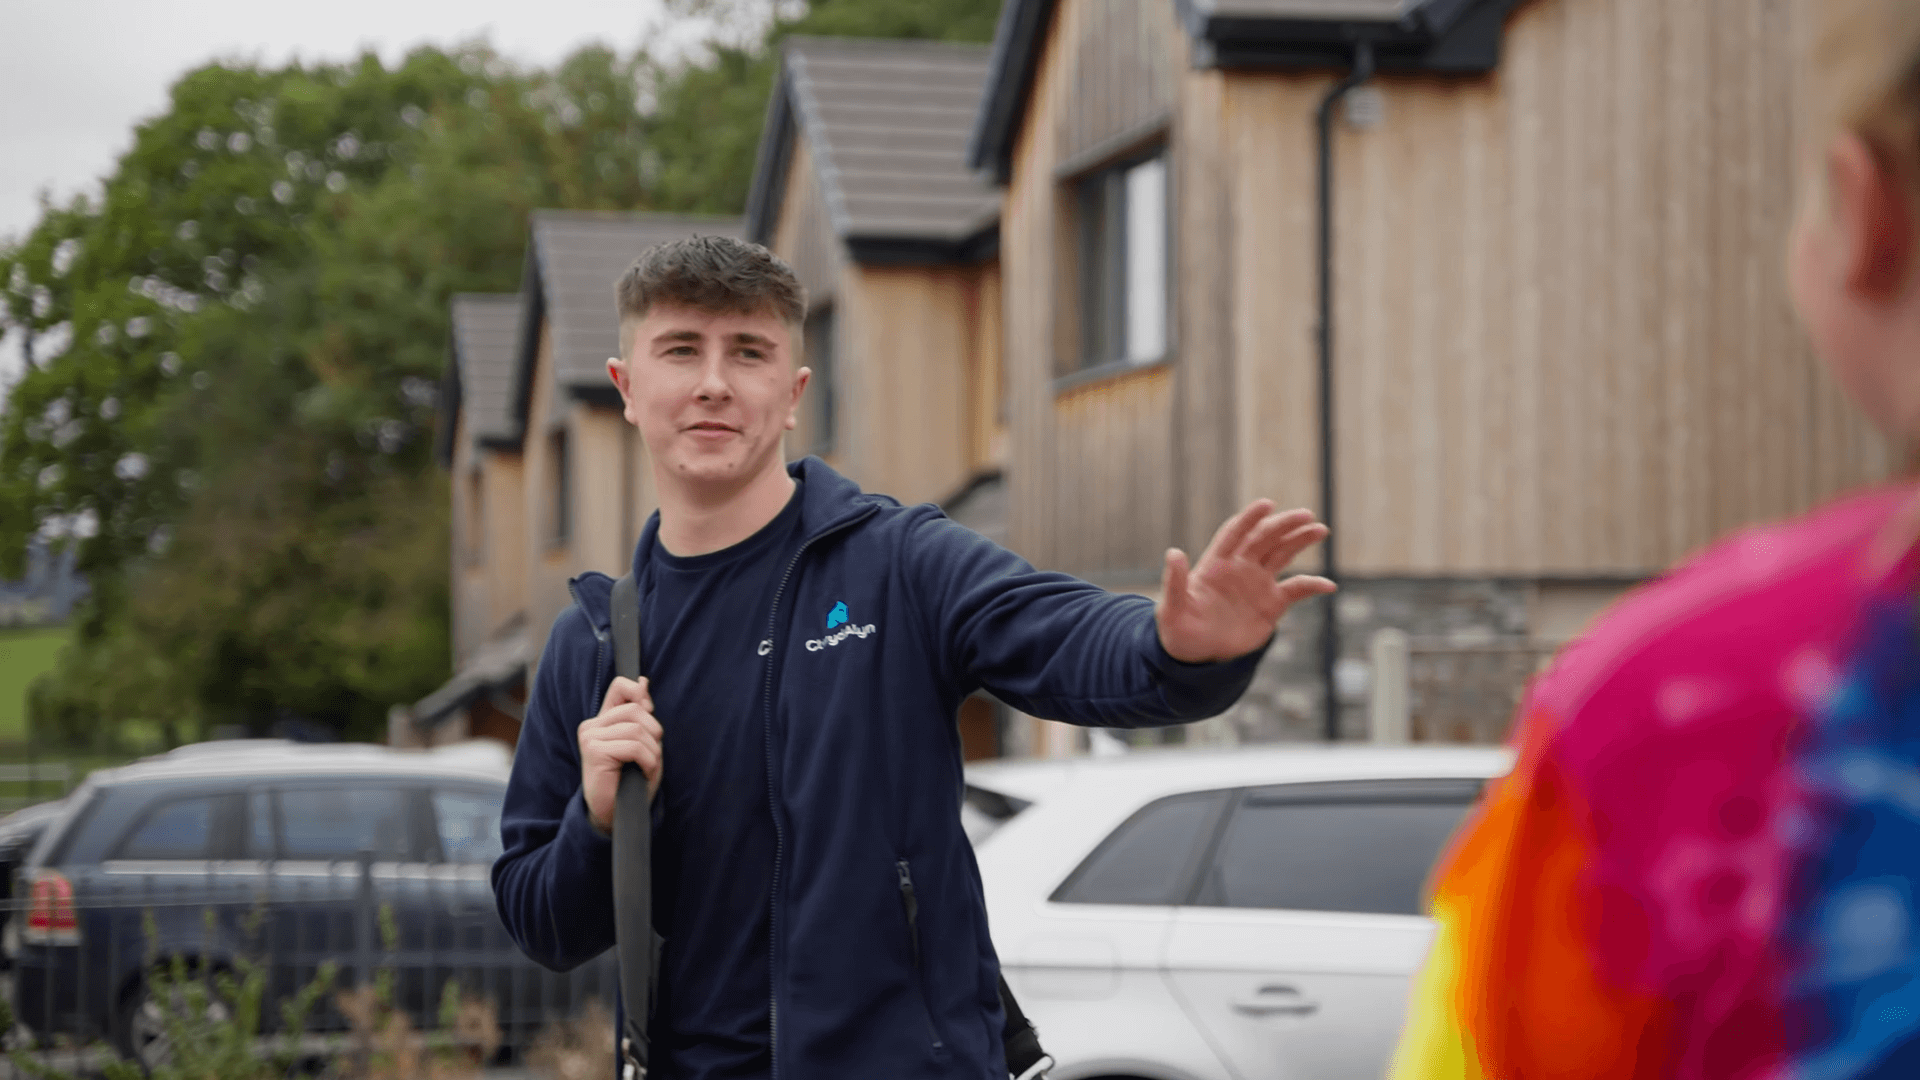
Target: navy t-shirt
(702,621)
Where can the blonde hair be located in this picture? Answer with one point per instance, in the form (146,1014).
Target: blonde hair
(1865,76)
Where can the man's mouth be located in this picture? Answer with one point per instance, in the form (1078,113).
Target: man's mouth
(713,428)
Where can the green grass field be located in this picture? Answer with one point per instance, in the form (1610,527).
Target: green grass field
(24,654)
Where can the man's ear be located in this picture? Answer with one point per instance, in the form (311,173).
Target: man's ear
(622,381)
(800,380)
(1873,214)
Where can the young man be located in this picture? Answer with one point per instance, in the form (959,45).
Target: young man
(808,645)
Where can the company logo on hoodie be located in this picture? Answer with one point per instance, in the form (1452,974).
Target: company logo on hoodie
(840,627)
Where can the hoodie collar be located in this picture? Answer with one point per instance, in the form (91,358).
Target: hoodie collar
(828,500)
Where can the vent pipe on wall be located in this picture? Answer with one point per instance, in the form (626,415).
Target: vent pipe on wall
(1330,627)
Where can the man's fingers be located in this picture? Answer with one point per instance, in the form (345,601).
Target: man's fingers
(1292,590)
(1275,530)
(620,691)
(1173,581)
(1233,532)
(1289,546)
(642,752)
(622,720)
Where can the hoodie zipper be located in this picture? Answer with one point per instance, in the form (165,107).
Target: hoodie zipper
(911,901)
(773,810)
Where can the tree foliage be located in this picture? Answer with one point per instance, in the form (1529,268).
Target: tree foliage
(234,348)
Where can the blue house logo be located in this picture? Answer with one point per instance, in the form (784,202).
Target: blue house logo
(838,616)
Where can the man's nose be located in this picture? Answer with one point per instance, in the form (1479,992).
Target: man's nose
(713,382)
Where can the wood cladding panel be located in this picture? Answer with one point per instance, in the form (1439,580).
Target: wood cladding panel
(1562,339)
(1112,442)
(986,377)
(1123,61)
(1090,470)
(1263,259)
(804,233)
(910,342)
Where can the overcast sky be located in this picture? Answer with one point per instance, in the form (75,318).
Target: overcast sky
(77,75)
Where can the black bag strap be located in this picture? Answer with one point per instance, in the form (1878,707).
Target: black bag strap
(1025,1059)
(634,939)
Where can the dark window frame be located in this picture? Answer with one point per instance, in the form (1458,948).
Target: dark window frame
(560,475)
(1100,271)
(824,362)
(475,523)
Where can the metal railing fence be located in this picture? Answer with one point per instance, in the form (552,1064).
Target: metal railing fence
(428,933)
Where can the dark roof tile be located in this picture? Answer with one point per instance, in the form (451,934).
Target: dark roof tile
(887,125)
(575,260)
(486,333)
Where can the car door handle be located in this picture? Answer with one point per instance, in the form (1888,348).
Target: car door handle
(1276,1001)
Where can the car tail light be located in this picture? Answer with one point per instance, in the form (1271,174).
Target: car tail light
(50,918)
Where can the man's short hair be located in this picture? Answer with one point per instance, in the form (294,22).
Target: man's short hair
(709,273)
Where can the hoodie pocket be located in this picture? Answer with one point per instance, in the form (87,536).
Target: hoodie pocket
(910,902)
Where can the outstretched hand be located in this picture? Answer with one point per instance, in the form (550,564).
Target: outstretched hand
(1227,605)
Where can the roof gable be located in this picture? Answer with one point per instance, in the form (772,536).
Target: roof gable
(1445,36)
(574,260)
(479,378)
(886,123)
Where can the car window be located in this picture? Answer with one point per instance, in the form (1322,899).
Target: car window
(260,825)
(1149,858)
(341,822)
(1367,851)
(469,824)
(182,829)
(983,811)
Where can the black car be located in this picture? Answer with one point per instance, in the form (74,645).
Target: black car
(19,832)
(288,855)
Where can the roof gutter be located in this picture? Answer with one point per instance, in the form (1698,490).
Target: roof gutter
(1361,71)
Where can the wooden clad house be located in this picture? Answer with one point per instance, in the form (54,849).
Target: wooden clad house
(1559,354)
(584,486)
(862,185)
(589,487)
(478,443)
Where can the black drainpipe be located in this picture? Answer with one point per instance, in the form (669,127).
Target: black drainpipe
(1330,629)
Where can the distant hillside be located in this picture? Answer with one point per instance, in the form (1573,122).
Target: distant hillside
(48,592)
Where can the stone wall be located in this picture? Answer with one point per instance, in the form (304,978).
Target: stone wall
(1485,619)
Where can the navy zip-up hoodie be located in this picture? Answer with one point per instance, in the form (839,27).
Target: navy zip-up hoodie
(881,960)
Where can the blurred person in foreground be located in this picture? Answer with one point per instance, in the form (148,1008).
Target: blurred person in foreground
(807,646)
(1706,862)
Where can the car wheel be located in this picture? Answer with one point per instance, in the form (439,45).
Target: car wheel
(141,1031)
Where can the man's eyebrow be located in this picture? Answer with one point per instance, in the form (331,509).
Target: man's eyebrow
(747,338)
(676,335)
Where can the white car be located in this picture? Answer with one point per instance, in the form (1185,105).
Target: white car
(1250,914)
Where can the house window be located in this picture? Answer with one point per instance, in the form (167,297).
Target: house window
(560,476)
(1123,264)
(821,346)
(476,520)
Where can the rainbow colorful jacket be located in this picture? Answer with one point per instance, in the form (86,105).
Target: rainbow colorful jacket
(1706,862)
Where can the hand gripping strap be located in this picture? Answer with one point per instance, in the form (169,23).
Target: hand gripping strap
(635,943)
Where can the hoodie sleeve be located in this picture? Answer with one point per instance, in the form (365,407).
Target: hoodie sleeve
(1052,645)
(553,883)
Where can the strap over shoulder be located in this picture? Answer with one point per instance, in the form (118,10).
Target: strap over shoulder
(635,942)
